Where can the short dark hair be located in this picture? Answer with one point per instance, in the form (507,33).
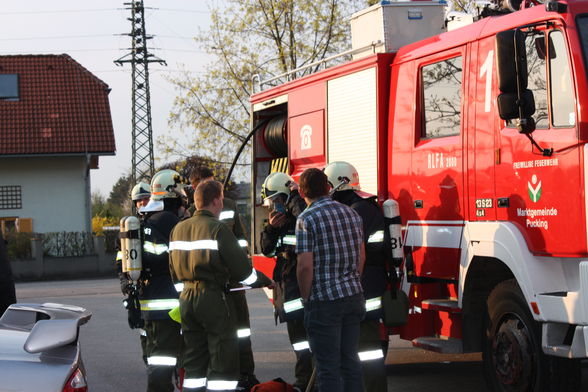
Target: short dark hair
(314,183)
(199,173)
(206,192)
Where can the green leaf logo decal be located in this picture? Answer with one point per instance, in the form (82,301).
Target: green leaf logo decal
(534,189)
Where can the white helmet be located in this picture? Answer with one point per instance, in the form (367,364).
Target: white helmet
(167,184)
(140,191)
(342,176)
(275,184)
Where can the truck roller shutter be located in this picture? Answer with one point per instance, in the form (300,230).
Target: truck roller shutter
(352,125)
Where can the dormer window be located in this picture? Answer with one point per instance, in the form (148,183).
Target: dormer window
(9,87)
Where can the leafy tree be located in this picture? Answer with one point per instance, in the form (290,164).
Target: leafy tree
(98,203)
(116,206)
(121,190)
(247,39)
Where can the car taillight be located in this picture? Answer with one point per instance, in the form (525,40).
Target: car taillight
(76,383)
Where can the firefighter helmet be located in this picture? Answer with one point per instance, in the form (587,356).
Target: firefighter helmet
(342,176)
(140,191)
(167,184)
(275,184)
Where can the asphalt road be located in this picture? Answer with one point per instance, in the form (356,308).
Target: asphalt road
(112,354)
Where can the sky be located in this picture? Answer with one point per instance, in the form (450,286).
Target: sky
(93,33)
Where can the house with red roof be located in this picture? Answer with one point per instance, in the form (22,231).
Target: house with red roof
(55,123)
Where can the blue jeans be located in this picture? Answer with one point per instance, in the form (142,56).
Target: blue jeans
(333,334)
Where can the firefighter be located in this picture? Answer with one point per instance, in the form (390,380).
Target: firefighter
(230,216)
(344,179)
(159,295)
(280,195)
(207,258)
(140,195)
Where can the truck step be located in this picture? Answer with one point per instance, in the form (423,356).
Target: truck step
(439,345)
(561,350)
(442,305)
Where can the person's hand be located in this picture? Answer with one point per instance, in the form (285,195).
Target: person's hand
(126,285)
(277,219)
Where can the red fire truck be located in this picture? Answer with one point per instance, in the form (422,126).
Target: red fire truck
(479,134)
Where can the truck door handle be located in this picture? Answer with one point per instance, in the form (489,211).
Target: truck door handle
(503,202)
(418,204)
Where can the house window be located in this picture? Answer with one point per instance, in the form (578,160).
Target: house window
(10,197)
(441,98)
(9,87)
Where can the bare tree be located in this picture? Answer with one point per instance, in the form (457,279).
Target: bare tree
(249,38)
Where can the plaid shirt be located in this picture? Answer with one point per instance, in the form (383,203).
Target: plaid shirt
(333,232)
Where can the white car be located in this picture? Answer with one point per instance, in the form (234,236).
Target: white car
(39,348)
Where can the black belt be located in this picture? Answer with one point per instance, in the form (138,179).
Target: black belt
(205,284)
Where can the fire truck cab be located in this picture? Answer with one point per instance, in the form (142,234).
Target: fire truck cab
(480,136)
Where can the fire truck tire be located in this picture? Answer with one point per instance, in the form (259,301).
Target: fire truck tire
(512,354)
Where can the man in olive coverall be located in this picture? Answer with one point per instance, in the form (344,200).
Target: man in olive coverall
(230,217)
(206,256)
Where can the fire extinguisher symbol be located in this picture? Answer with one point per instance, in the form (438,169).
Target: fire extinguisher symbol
(534,189)
(306,137)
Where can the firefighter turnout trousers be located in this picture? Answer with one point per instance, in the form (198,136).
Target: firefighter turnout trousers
(246,363)
(209,325)
(163,345)
(372,357)
(299,341)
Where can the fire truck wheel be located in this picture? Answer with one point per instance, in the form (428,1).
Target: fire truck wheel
(512,354)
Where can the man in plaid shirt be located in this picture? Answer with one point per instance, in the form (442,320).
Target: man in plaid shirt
(329,245)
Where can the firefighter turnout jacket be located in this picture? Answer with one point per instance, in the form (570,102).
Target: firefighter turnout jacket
(281,242)
(159,295)
(230,217)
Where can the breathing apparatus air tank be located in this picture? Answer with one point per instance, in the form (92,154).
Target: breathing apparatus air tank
(393,225)
(130,243)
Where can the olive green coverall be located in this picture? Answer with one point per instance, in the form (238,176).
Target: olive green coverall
(206,256)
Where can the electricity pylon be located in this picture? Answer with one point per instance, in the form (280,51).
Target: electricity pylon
(142,163)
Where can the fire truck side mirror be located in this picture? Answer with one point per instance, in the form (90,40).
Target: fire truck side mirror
(508,105)
(511,61)
(515,100)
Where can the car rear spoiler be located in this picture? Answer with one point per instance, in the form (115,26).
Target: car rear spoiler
(51,325)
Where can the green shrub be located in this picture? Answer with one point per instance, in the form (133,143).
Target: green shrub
(19,245)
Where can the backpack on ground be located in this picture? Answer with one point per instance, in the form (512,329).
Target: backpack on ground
(276,385)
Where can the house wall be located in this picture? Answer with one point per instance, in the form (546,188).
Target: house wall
(55,192)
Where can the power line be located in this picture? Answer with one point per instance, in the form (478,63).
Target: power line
(151,70)
(58,11)
(57,37)
(174,37)
(97,10)
(56,51)
(182,10)
(60,51)
(85,36)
